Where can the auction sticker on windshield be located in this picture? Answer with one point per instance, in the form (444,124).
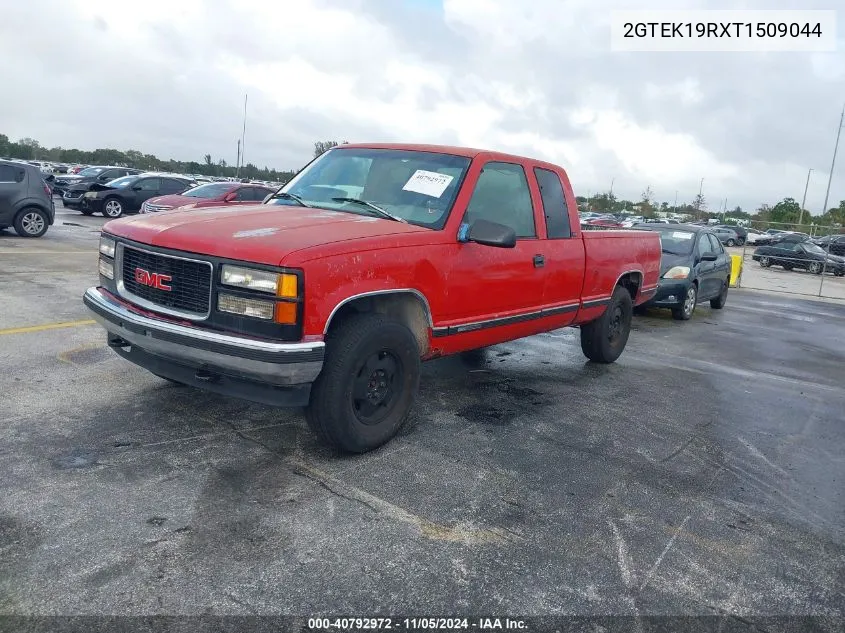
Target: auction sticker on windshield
(681,235)
(429,183)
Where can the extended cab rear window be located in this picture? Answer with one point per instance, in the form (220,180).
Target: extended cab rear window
(554,203)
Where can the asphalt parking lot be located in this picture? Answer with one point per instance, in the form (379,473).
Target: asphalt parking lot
(703,473)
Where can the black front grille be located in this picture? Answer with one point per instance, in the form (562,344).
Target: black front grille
(190,281)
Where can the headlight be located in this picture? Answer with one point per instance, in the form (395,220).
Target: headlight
(107,246)
(677,272)
(106,268)
(282,285)
(257,308)
(91,194)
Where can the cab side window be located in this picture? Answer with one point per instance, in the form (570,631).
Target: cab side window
(716,245)
(502,195)
(244,194)
(704,246)
(148,184)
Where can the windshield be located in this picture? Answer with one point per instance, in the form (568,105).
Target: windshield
(418,187)
(676,242)
(123,181)
(212,190)
(91,171)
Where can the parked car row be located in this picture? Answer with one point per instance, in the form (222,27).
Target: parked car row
(799,254)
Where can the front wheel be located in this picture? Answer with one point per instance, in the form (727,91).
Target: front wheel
(368,384)
(112,208)
(731,242)
(815,268)
(719,302)
(687,308)
(740,241)
(86,211)
(603,339)
(765,262)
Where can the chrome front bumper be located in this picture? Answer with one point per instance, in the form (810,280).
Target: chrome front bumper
(210,353)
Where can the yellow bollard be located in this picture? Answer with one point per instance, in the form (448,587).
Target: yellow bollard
(736,269)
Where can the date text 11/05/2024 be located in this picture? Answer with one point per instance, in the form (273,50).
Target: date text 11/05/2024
(416,624)
(721,29)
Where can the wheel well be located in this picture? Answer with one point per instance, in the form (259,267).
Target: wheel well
(632,283)
(406,307)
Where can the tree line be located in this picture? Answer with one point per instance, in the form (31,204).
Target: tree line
(30,149)
(787,212)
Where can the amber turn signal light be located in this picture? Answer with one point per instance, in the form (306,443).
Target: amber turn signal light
(286,312)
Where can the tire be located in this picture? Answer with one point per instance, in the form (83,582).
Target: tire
(86,211)
(740,242)
(31,222)
(731,242)
(719,302)
(839,273)
(787,266)
(345,409)
(815,268)
(765,262)
(112,208)
(604,339)
(687,309)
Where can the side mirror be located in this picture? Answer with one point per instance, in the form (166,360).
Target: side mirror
(488,233)
(136,188)
(709,257)
(229,197)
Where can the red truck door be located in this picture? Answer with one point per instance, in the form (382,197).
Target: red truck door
(488,282)
(563,248)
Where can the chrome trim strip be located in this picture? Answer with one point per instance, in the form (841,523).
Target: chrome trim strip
(149,305)
(374,293)
(593,303)
(501,321)
(96,296)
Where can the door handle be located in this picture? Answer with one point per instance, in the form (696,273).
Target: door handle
(539,261)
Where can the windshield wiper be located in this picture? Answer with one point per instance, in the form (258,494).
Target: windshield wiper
(290,196)
(385,214)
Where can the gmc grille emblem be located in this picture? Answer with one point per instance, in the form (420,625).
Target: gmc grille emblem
(153,280)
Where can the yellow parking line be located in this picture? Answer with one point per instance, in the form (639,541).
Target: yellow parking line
(46,326)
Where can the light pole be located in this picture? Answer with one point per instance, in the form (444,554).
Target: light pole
(827,193)
(698,200)
(833,162)
(804,199)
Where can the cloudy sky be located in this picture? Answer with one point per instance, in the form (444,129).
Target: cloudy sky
(169,78)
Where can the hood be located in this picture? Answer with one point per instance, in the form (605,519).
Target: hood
(99,187)
(667,261)
(263,234)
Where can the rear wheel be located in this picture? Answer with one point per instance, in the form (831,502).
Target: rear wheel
(740,241)
(685,311)
(731,242)
(719,302)
(604,339)
(368,384)
(31,222)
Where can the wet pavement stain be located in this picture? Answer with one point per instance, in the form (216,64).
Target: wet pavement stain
(75,460)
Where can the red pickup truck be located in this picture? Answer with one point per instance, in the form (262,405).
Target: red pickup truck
(370,260)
